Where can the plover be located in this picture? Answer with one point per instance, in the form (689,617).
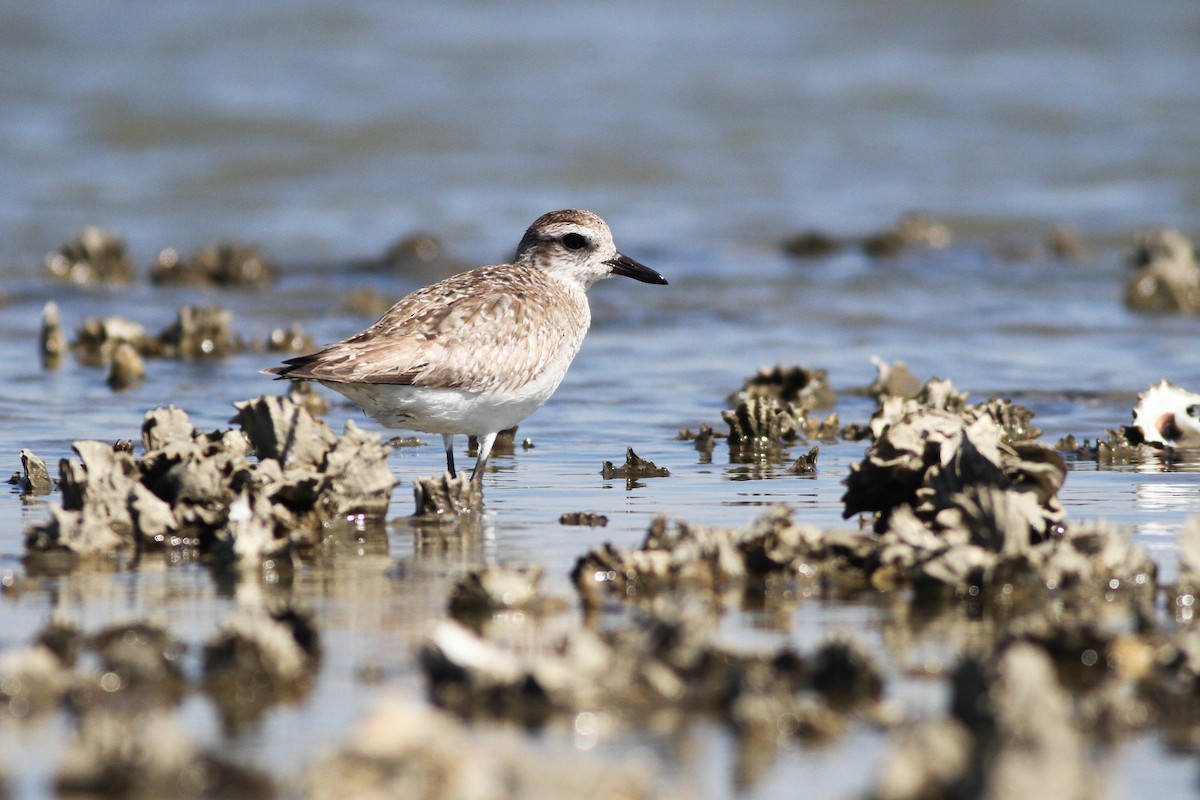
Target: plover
(478,352)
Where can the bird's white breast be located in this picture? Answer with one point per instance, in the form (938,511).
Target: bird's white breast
(442,410)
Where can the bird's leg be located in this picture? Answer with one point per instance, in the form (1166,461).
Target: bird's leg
(485,449)
(448,441)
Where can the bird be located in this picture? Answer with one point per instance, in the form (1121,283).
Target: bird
(480,351)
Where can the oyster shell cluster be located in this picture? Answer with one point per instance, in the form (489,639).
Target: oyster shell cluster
(192,489)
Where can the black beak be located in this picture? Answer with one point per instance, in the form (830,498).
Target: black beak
(624,265)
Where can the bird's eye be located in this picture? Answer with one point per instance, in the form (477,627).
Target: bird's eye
(574,241)
(1194,410)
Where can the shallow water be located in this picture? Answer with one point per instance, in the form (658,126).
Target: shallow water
(704,135)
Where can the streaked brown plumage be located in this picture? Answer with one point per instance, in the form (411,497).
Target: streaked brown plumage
(480,351)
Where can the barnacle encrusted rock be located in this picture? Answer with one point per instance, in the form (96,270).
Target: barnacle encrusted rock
(349,473)
(33,680)
(1059,243)
(588,518)
(441,496)
(140,658)
(1011,735)
(497,587)
(130,671)
(982,544)
(413,250)
(1188,582)
(127,755)
(119,753)
(1118,446)
(987,546)
(161,426)
(95,516)
(703,438)
(1166,274)
(795,385)
(1034,747)
(1170,685)
(912,231)
(761,426)
(261,657)
(812,244)
(96,339)
(248,535)
(126,369)
(633,468)
(680,555)
(303,394)
(93,256)
(200,489)
(661,661)
(929,759)
(936,394)
(284,432)
(893,380)
(356,479)
(928,457)
(410,750)
(200,332)
(289,340)
(222,264)
(33,478)
(52,342)
(807,463)
(1014,420)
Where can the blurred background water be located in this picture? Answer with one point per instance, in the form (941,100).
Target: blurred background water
(704,134)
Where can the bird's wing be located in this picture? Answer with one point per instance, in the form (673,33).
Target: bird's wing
(493,327)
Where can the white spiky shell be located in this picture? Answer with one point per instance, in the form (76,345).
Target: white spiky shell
(1168,415)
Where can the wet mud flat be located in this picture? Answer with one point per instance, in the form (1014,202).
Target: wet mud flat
(1057,639)
(1073,641)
